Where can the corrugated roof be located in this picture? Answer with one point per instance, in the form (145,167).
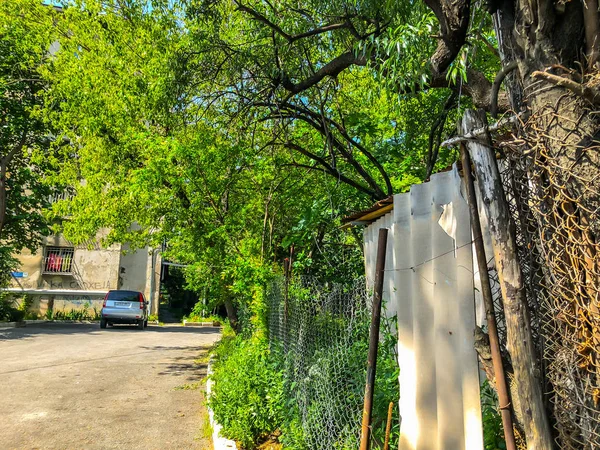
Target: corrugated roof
(371,214)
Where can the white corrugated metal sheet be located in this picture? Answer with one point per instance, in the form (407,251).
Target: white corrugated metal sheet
(429,286)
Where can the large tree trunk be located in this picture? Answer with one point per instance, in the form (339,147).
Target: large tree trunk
(518,325)
(556,44)
(231,310)
(2,198)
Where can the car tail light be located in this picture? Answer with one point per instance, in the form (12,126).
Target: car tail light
(141,301)
(105,298)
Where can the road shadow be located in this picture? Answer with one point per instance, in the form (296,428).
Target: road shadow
(190,366)
(32,331)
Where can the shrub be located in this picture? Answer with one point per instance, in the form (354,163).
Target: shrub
(25,306)
(8,312)
(75,314)
(493,433)
(199,314)
(247,399)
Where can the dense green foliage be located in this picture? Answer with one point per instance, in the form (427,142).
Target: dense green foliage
(26,158)
(263,388)
(9,311)
(493,433)
(185,128)
(247,397)
(232,135)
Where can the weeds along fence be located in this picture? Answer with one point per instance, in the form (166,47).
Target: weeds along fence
(320,334)
(553,192)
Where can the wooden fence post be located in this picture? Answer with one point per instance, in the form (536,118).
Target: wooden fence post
(518,326)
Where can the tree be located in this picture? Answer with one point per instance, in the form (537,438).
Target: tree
(547,52)
(153,97)
(26,157)
(153,166)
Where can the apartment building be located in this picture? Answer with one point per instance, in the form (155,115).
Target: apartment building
(62,277)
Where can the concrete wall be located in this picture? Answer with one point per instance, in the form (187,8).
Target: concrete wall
(133,273)
(136,273)
(95,271)
(92,269)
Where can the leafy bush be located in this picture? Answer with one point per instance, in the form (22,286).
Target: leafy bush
(8,312)
(25,306)
(493,433)
(75,314)
(247,399)
(199,314)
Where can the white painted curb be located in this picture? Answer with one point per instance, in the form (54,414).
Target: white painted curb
(219,443)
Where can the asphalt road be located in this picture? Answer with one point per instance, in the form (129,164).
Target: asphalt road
(74,386)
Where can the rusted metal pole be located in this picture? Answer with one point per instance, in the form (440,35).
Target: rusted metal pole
(486,291)
(373,339)
(286,287)
(287,271)
(388,427)
(519,335)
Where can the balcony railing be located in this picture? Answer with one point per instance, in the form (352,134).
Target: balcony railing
(58,260)
(64,195)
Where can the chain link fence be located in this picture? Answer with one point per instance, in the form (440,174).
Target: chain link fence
(553,191)
(320,333)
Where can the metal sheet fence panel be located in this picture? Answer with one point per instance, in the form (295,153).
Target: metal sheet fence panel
(429,278)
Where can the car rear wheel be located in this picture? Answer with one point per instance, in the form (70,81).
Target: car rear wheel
(102,323)
(145,323)
(141,324)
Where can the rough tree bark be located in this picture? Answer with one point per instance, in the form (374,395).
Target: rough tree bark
(519,336)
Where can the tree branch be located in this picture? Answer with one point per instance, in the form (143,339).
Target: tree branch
(343,132)
(345,154)
(332,69)
(292,37)
(320,30)
(435,136)
(335,172)
(453,16)
(590,94)
(258,16)
(496,86)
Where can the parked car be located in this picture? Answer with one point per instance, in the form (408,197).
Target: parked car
(124,307)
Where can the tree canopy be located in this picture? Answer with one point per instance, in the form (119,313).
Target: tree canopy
(232,130)
(27,160)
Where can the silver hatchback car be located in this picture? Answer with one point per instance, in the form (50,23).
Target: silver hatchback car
(124,307)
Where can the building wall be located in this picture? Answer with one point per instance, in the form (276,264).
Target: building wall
(133,273)
(94,271)
(136,273)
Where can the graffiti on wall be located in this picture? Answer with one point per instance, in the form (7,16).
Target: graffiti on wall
(73,284)
(88,285)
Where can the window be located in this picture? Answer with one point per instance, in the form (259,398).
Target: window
(66,194)
(125,296)
(58,260)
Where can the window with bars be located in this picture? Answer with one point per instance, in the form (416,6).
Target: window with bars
(58,260)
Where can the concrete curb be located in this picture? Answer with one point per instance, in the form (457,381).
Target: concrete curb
(62,321)
(201,324)
(219,443)
(12,324)
(38,322)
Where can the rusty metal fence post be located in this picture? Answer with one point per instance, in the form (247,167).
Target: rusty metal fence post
(373,339)
(499,375)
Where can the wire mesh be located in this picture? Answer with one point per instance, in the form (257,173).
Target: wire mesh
(321,333)
(553,192)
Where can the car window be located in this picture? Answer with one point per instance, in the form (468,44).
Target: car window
(124,296)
